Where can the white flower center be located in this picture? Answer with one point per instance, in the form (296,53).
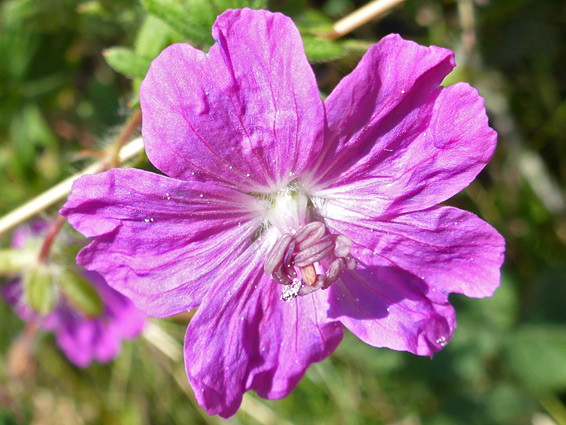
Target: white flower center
(306,257)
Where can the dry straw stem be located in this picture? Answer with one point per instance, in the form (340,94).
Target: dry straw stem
(362,16)
(61,190)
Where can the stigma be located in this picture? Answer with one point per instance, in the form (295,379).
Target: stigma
(308,260)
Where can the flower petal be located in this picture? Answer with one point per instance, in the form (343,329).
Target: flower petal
(244,337)
(248,113)
(400,142)
(386,307)
(159,240)
(449,249)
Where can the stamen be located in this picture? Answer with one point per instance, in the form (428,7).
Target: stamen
(308,274)
(274,258)
(280,276)
(315,253)
(342,245)
(351,262)
(320,283)
(309,235)
(309,246)
(336,269)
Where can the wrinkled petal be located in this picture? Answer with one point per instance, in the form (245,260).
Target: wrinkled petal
(386,307)
(244,337)
(248,113)
(449,249)
(159,240)
(400,142)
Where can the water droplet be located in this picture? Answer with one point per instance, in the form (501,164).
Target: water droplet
(129,193)
(201,195)
(151,219)
(247,175)
(455,223)
(403,91)
(193,173)
(146,220)
(230,167)
(388,309)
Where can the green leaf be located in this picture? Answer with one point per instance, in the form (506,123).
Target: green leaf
(125,61)
(191,19)
(81,293)
(152,37)
(537,354)
(319,50)
(39,292)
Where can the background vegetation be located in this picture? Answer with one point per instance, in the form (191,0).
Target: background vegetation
(69,73)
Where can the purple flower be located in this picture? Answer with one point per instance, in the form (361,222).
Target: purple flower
(82,338)
(283,217)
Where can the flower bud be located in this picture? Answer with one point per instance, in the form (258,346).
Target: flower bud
(39,290)
(80,293)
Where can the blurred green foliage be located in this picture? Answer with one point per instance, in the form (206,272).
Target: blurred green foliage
(69,71)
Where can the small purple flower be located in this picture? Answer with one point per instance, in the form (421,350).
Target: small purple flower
(283,217)
(82,338)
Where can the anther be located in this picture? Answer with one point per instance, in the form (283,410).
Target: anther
(314,253)
(308,274)
(309,235)
(275,256)
(342,245)
(306,252)
(336,269)
(280,276)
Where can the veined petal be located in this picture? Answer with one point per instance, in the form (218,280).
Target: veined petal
(449,249)
(387,307)
(393,79)
(159,240)
(244,337)
(418,144)
(247,114)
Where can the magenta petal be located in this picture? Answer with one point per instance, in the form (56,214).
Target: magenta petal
(248,113)
(410,150)
(244,337)
(449,249)
(386,307)
(395,77)
(159,240)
